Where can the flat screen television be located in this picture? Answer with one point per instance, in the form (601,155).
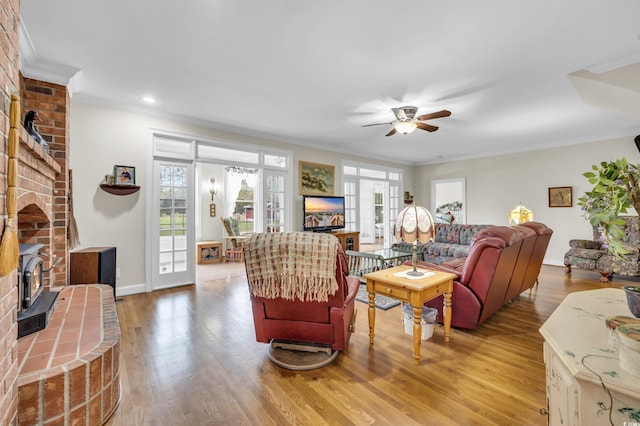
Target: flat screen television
(322,213)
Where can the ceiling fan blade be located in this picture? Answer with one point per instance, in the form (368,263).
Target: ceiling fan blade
(392,132)
(427,127)
(439,114)
(376,124)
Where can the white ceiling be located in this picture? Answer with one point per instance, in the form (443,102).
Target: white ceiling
(312,73)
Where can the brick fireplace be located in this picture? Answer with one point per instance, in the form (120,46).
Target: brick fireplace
(43,183)
(85,380)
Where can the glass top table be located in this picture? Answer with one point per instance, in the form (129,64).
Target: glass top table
(391,256)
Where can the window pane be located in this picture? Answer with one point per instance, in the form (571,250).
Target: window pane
(173,147)
(350,171)
(165,218)
(166,241)
(380,174)
(165,176)
(180,242)
(180,197)
(180,261)
(180,218)
(213,152)
(179,176)
(275,161)
(166,263)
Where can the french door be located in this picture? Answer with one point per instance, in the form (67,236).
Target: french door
(172,225)
(275,201)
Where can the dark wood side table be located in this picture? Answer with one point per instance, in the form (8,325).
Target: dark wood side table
(94,265)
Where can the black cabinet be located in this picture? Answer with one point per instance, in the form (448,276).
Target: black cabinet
(94,265)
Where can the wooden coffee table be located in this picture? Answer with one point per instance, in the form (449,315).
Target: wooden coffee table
(394,283)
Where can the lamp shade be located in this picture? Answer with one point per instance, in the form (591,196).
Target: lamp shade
(520,214)
(414,223)
(405,127)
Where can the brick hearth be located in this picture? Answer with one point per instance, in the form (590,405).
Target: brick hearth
(69,373)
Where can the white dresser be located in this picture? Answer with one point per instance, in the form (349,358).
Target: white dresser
(584,377)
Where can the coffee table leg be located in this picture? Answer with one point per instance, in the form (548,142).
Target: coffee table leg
(417,332)
(372,316)
(447,316)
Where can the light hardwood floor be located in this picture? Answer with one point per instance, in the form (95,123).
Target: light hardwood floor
(189,357)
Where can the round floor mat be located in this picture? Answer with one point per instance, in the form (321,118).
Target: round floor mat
(300,360)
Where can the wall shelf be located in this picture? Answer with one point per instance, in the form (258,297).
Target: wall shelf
(120,189)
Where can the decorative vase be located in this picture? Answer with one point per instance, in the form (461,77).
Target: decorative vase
(633,299)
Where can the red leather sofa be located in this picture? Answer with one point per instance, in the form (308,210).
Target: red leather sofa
(325,323)
(503,261)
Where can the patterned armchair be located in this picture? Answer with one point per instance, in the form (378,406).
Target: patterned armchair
(590,255)
(234,247)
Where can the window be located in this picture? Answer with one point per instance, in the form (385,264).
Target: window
(241,185)
(371,200)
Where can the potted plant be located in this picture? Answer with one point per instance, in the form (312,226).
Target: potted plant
(633,299)
(616,190)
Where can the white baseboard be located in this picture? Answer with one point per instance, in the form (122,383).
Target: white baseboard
(130,289)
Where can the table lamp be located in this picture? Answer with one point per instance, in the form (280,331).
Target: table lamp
(413,224)
(520,214)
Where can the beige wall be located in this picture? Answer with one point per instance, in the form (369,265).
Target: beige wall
(496,185)
(102,137)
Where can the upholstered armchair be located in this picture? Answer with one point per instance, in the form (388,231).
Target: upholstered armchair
(234,246)
(592,256)
(300,288)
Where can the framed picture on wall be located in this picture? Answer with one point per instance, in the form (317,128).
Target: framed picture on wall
(315,179)
(560,196)
(124,175)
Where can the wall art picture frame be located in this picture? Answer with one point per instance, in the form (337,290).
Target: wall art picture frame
(561,196)
(315,179)
(124,175)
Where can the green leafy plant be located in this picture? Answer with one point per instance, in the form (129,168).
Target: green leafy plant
(615,191)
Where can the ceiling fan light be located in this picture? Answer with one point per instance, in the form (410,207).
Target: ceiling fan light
(405,127)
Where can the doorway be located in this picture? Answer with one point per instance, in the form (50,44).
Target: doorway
(374,211)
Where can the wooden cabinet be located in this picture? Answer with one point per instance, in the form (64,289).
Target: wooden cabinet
(584,376)
(348,239)
(94,265)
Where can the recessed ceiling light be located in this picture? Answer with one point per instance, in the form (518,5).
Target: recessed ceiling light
(148,99)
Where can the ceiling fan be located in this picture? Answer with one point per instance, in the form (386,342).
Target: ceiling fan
(406,120)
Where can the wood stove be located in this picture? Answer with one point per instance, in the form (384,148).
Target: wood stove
(30,275)
(34,304)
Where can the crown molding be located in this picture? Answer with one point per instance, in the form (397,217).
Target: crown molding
(614,63)
(31,66)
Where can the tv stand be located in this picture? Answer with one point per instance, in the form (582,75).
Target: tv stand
(349,240)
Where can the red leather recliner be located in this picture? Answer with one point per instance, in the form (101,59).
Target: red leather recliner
(543,236)
(277,318)
(503,261)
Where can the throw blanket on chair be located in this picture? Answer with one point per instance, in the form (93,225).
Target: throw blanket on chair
(295,265)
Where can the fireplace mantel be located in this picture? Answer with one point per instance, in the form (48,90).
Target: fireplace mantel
(33,154)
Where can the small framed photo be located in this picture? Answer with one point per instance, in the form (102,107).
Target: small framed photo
(561,196)
(124,175)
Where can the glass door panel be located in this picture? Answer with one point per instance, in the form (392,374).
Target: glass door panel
(173,226)
(275,198)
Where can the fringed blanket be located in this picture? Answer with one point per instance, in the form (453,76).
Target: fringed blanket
(296,265)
